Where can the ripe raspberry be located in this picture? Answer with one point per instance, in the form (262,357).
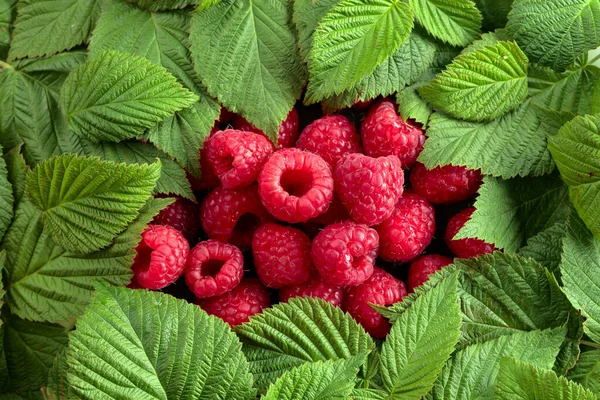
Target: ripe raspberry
(315,287)
(445,185)
(281,255)
(464,248)
(208,180)
(232,215)
(384,133)
(381,289)
(288,130)
(183,215)
(295,185)
(344,253)
(237,156)
(332,137)
(160,257)
(422,267)
(335,213)
(369,187)
(362,105)
(235,307)
(405,234)
(213,268)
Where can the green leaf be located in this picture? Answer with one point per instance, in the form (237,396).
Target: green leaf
(47,283)
(8,12)
(513,145)
(555,32)
(246,54)
(6,198)
(48,27)
(307,15)
(508,212)
(421,342)
(546,247)
(580,265)
(482,85)
(147,345)
(471,372)
(17,171)
(317,380)
(86,202)
(457,22)
(352,39)
(157,5)
(412,106)
(115,96)
(30,350)
(57,387)
(301,330)
(487,39)
(2,291)
(368,394)
(576,151)
(587,371)
(495,12)
(518,380)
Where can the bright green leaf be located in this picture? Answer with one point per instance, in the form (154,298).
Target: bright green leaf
(307,15)
(555,32)
(157,5)
(487,39)
(587,371)
(457,22)
(546,247)
(139,344)
(412,106)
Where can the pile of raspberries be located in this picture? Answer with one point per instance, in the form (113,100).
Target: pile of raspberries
(326,214)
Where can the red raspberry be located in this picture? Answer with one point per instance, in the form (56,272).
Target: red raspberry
(288,130)
(295,185)
(281,255)
(384,133)
(465,248)
(332,137)
(232,215)
(422,267)
(160,257)
(213,268)
(235,307)
(237,156)
(182,215)
(369,187)
(381,289)
(445,185)
(362,105)
(315,287)
(335,213)
(344,253)
(208,180)
(408,231)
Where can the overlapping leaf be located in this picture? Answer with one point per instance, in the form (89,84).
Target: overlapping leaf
(587,371)
(457,22)
(6,198)
(546,247)
(142,344)
(8,12)
(157,5)
(411,105)
(307,14)
(495,12)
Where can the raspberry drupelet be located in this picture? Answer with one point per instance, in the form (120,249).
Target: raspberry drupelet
(422,267)
(295,185)
(288,130)
(445,185)
(183,215)
(213,268)
(314,287)
(465,248)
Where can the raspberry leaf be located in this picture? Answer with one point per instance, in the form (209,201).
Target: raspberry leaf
(495,12)
(6,198)
(8,12)
(57,387)
(555,32)
(482,85)
(546,247)
(421,342)
(290,334)
(115,96)
(48,27)
(158,5)
(587,371)
(47,283)
(352,39)
(412,106)
(166,347)
(508,212)
(472,371)
(246,53)
(519,380)
(457,22)
(307,14)
(86,202)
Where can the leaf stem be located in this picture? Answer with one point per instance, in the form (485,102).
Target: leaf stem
(593,60)
(590,344)
(4,65)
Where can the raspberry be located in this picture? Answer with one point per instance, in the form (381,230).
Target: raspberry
(381,289)
(183,215)
(208,180)
(335,213)
(295,185)
(237,156)
(160,257)
(369,187)
(232,215)
(344,253)
(384,133)
(444,185)
(281,255)
(362,105)
(408,231)
(464,248)
(213,268)
(238,305)
(332,137)
(422,267)
(288,130)
(315,287)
